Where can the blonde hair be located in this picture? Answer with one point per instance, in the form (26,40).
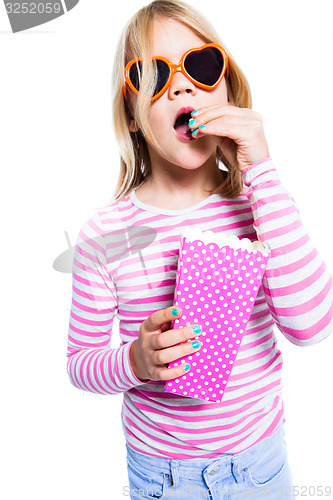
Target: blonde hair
(135,41)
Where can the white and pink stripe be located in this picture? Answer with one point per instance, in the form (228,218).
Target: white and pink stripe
(125,266)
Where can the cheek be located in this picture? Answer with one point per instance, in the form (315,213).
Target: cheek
(157,120)
(221,93)
(154,120)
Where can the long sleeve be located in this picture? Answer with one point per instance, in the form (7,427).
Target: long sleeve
(297,285)
(91,364)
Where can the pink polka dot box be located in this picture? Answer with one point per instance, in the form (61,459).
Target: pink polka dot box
(218,280)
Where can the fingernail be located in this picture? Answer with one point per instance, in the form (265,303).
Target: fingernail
(202,126)
(194,112)
(195,131)
(175,312)
(195,344)
(187,367)
(197,328)
(191,121)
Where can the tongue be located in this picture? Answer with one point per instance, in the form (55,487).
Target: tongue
(183,128)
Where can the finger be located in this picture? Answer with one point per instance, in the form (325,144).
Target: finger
(174,337)
(215,114)
(199,132)
(226,107)
(201,115)
(219,128)
(170,373)
(166,326)
(228,126)
(176,352)
(154,322)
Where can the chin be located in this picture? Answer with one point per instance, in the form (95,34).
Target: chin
(195,159)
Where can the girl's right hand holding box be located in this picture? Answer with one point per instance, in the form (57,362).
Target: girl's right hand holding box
(156,346)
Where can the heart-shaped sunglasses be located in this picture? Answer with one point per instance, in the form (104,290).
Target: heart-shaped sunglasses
(204,66)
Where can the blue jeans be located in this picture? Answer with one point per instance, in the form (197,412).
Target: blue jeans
(261,471)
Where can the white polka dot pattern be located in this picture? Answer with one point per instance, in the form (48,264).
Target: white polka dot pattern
(216,287)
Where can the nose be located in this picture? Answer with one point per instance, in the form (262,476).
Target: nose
(180,84)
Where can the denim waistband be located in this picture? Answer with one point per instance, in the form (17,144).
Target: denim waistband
(225,460)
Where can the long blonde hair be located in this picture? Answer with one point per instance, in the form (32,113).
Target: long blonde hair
(135,41)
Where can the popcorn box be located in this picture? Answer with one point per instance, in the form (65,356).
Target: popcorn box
(218,279)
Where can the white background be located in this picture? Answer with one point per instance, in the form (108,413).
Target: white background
(59,163)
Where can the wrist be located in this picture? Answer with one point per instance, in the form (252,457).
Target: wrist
(261,174)
(248,167)
(133,364)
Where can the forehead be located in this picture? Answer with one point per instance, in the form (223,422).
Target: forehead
(171,39)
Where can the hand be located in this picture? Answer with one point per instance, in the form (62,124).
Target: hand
(237,131)
(157,345)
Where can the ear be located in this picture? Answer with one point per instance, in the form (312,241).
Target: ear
(133,126)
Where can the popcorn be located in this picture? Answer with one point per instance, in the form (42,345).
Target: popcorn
(218,279)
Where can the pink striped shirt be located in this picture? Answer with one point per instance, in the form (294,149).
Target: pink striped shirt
(125,265)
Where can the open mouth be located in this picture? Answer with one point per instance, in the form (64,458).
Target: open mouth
(181,127)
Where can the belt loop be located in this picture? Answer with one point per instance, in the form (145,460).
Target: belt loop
(174,473)
(235,469)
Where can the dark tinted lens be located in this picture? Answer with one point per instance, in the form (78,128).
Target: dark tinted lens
(205,65)
(135,74)
(162,75)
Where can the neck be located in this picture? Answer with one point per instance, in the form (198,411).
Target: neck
(180,183)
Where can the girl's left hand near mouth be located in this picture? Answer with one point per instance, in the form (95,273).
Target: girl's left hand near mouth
(237,131)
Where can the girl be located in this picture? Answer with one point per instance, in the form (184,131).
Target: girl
(193,152)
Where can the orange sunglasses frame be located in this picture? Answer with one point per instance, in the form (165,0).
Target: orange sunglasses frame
(178,67)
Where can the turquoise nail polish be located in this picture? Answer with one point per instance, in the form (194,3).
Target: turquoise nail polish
(191,121)
(195,344)
(187,367)
(195,131)
(197,329)
(194,112)
(202,126)
(175,312)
